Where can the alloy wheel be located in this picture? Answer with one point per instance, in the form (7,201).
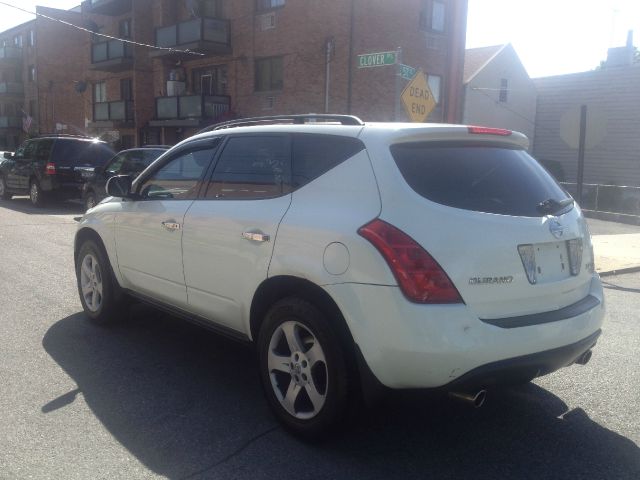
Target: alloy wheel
(298,370)
(34,193)
(91,283)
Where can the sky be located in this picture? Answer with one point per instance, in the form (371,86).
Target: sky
(554,37)
(10,17)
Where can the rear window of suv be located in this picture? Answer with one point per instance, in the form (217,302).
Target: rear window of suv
(484,178)
(72,152)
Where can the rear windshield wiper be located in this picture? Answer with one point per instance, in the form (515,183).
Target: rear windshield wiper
(552,206)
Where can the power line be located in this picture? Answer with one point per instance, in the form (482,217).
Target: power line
(110,37)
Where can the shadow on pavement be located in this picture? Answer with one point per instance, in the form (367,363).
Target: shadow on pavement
(188,404)
(53,207)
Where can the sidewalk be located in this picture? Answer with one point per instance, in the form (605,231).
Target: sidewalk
(617,253)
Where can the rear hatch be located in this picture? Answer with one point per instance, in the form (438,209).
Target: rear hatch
(508,236)
(74,159)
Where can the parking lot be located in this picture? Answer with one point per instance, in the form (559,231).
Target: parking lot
(159,398)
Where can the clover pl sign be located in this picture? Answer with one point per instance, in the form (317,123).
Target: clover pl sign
(417,98)
(379,59)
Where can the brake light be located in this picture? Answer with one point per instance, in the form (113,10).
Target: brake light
(50,169)
(420,277)
(489,131)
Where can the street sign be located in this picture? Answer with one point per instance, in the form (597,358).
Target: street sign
(407,72)
(417,98)
(379,59)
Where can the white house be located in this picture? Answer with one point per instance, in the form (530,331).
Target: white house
(498,91)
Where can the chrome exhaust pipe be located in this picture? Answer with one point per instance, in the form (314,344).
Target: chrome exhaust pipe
(584,358)
(476,399)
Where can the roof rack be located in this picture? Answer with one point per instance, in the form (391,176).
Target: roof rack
(286,119)
(61,135)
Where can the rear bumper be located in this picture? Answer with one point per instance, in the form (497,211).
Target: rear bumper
(61,189)
(526,367)
(406,345)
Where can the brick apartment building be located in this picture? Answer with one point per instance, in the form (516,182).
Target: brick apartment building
(255,57)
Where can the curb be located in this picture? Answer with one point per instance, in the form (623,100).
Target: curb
(621,271)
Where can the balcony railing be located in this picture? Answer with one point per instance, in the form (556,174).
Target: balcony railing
(208,35)
(107,7)
(120,111)
(10,53)
(10,122)
(112,56)
(189,107)
(11,88)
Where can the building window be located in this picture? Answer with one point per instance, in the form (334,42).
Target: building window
(269,74)
(32,38)
(32,73)
(435,82)
(125,28)
(18,40)
(126,89)
(205,8)
(100,92)
(32,108)
(433,16)
(504,90)
(268,4)
(210,80)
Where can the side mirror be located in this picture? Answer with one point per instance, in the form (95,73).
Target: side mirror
(8,155)
(119,186)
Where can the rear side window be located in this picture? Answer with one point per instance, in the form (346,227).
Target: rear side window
(314,155)
(491,179)
(81,153)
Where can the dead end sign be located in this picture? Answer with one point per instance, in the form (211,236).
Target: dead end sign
(417,98)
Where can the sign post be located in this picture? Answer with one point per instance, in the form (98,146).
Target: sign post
(417,98)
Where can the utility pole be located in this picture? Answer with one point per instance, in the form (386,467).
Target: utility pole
(581,145)
(397,103)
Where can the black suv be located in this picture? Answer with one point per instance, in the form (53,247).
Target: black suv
(50,166)
(128,162)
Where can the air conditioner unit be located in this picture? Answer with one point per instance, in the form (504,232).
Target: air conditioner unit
(175,88)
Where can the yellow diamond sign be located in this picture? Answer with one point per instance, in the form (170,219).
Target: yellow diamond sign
(417,98)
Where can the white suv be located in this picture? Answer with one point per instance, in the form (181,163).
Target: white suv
(402,255)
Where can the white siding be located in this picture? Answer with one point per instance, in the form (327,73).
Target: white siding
(612,98)
(482,93)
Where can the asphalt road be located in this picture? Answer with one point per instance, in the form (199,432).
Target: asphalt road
(158,398)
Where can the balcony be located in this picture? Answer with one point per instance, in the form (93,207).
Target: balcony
(189,110)
(107,7)
(112,113)
(111,56)
(211,36)
(11,88)
(10,55)
(10,122)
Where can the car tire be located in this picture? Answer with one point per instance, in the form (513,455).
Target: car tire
(4,193)
(36,195)
(303,369)
(90,200)
(99,292)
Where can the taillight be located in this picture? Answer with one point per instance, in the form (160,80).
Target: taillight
(489,131)
(50,169)
(420,277)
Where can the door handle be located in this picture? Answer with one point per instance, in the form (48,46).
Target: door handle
(256,237)
(171,225)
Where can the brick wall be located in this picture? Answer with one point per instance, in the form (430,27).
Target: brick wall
(298,33)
